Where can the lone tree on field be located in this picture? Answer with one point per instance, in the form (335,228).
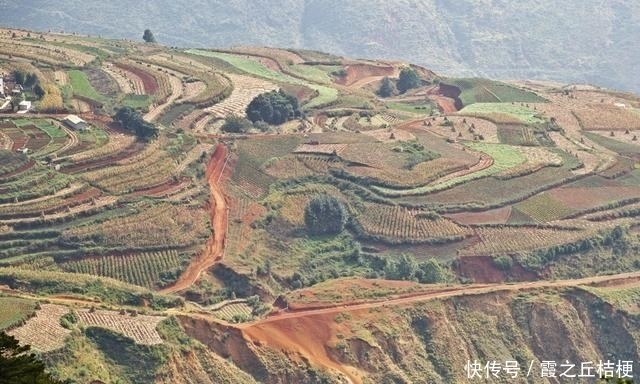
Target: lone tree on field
(325,215)
(148,36)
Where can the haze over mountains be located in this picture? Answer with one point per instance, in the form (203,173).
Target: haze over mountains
(590,41)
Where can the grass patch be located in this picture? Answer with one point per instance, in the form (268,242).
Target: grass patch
(503,113)
(81,86)
(421,107)
(137,101)
(474,90)
(14,311)
(311,73)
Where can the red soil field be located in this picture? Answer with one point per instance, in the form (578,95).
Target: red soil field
(358,72)
(149,82)
(482,269)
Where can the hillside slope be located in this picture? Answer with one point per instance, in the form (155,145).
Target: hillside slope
(573,41)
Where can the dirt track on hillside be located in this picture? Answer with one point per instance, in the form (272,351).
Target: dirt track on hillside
(214,248)
(623,279)
(308,332)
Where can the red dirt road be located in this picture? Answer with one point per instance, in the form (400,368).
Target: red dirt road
(214,248)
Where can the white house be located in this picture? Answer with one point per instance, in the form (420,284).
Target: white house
(24,105)
(74,122)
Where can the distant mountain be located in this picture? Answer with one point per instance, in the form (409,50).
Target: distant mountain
(590,41)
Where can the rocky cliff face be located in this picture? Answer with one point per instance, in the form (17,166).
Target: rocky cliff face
(433,341)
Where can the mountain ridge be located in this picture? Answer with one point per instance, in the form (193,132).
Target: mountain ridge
(586,42)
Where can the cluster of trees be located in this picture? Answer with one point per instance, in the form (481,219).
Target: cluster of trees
(132,120)
(26,79)
(275,107)
(325,215)
(49,95)
(406,268)
(407,80)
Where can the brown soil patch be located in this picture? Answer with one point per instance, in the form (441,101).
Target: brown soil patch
(361,74)
(481,269)
(580,198)
(308,337)
(492,216)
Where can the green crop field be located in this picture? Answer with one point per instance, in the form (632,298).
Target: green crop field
(543,208)
(137,101)
(311,73)
(325,94)
(14,311)
(495,111)
(504,157)
(475,90)
(82,87)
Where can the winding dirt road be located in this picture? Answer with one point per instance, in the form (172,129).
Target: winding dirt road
(214,248)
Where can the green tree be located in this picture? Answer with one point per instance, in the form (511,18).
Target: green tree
(408,79)
(430,272)
(325,215)
(402,269)
(18,366)
(132,120)
(39,91)
(387,88)
(148,37)
(273,107)
(19,76)
(235,124)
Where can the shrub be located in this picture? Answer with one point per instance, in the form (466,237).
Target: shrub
(325,215)
(235,124)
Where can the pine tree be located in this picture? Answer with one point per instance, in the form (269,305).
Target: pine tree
(18,366)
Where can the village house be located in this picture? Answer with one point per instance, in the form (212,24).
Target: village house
(76,123)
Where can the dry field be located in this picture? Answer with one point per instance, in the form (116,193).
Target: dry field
(44,332)
(390,135)
(607,117)
(140,328)
(245,88)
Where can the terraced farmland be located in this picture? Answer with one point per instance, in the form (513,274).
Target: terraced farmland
(245,89)
(140,328)
(145,269)
(44,332)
